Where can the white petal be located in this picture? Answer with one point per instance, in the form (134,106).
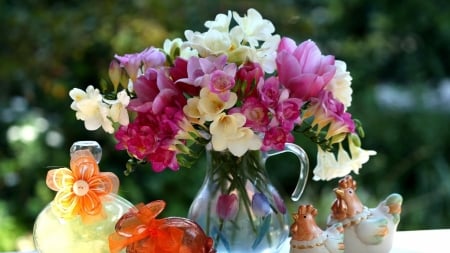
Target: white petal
(77,94)
(236,149)
(92,123)
(218,142)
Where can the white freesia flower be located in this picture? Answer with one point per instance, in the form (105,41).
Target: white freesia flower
(340,84)
(359,156)
(78,95)
(244,140)
(221,22)
(212,42)
(250,40)
(207,106)
(253,30)
(241,53)
(329,166)
(228,132)
(118,111)
(223,127)
(210,104)
(253,27)
(191,110)
(170,46)
(90,108)
(267,54)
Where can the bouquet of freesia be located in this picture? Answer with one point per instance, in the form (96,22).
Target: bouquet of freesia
(236,86)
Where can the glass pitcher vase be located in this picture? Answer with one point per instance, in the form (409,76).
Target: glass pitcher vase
(238,206)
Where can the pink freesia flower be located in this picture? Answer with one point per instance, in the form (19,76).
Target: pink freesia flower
(155,91)
(269,91)
(275,138)
(303,69)
(248,76)
(199,69)
(131,63)
(150,57)
(215,76)
(256,114)
(163,158)
(159,106)
(139,137)
(169,96)
(221,83)
(328,111)
(227,206)
(146,86)
(288,113)
(149,137)
(178,72)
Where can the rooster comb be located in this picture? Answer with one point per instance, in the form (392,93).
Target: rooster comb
(307,209)
(347,182)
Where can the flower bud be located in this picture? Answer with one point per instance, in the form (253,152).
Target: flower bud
(249,75)
(125,80)
(115,73)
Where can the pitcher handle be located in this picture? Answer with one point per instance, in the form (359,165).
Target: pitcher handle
(304,167)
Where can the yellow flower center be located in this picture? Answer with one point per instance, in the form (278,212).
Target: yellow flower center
(80,188)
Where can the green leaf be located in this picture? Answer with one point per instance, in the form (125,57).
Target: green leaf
(262,231)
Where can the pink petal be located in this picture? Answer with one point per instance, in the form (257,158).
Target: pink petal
(287,44)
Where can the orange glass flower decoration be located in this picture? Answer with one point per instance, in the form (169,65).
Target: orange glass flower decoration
(82,188)
(139,231)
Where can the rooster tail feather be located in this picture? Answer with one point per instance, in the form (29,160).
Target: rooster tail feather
(394,202)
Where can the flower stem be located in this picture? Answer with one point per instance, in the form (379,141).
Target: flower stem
(240,184)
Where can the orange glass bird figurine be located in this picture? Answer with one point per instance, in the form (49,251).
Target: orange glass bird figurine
(140,231)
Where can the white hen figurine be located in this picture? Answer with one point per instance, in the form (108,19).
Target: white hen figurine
(368,230)
(307,237)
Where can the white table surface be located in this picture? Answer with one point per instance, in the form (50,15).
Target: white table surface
(422,241)
(418,241)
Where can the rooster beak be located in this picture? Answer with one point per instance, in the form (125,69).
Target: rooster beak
(339,192)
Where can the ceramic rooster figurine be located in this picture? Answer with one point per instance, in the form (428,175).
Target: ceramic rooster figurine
(139,231)
(307,237)
(368,230)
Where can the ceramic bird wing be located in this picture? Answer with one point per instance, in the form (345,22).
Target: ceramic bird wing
(335,238)
(382,222)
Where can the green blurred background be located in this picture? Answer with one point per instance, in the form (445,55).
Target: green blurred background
(397,52)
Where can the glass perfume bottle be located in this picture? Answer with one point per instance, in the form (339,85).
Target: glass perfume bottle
(86,206)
